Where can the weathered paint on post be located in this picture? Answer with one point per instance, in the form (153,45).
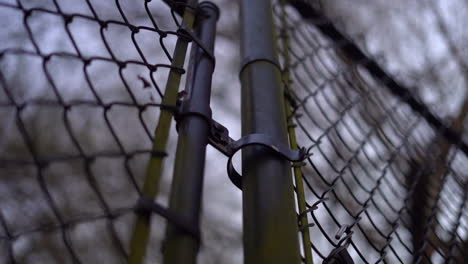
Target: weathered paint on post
(300,195)
(194,128)
(270,221)
(141,231)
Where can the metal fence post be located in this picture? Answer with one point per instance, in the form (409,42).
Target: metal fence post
(194,127)
(141,231)
(270,220)
(298,175)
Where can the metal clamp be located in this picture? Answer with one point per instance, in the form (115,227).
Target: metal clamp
(219,139)
(262,140)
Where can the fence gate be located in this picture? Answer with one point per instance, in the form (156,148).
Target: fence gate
(341,161)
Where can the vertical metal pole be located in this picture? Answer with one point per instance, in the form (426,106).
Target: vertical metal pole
(300,195)
(194,127)
(270,221)
(141,231)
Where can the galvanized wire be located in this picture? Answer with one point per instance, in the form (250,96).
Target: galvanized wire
(81,86)
(383,179)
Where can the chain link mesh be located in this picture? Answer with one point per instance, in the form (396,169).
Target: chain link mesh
(81,86)
(381,180)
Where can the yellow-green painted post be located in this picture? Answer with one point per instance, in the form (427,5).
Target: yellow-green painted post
(301,201)
(141,232)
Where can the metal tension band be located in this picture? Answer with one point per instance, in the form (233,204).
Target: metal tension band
(146,205)
(183,109)
(183,30)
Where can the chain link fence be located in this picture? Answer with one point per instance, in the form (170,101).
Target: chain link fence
(82,84)
(386,178)
(87,94)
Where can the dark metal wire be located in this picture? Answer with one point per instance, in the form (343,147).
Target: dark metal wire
(375,152)
(36,161)
(381,160)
